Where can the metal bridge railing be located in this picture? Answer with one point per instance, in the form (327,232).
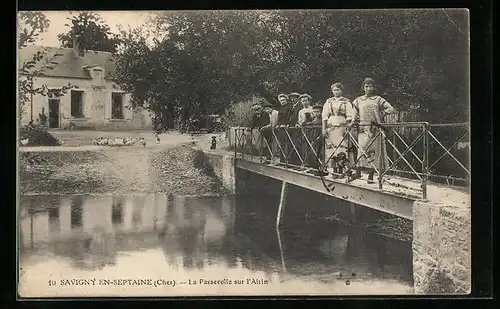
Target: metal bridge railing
(420,151)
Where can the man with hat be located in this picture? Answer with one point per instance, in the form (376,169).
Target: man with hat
(259,117)
(283,123)
(305,114)
(315,137)
(293,118)
(283,110)
(296,107)
(260,120)
(273,115)
(266,130)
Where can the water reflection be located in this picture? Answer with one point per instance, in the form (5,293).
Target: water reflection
(201,234)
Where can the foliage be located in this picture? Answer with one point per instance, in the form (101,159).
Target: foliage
(205,62)
(27,81)
(37,136)
(239,114)
(31,24)
(91,33)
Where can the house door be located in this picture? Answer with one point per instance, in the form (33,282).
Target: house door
(53,113)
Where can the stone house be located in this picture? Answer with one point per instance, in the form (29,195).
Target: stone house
(95,101)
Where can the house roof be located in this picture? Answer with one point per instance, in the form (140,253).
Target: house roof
(64,62)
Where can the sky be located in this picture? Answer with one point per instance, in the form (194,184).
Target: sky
(112,18)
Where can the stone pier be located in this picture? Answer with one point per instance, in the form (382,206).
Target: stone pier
(223,166)
(441,247)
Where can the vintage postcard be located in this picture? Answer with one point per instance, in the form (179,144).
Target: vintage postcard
(243,153)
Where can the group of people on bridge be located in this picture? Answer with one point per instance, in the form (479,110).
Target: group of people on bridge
(342,133)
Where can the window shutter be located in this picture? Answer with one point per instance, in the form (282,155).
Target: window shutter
(127,112)
(87,103)
(107,106)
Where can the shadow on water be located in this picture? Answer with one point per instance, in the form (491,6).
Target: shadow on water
(194,233)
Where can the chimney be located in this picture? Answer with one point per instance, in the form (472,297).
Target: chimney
(77,46)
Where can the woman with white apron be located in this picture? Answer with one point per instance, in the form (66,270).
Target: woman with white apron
(337,111)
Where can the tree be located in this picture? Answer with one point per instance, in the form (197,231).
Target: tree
(31,25)
(91,33)
(181,76)
(204,61)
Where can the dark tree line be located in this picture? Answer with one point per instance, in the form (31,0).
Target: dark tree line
(205,61)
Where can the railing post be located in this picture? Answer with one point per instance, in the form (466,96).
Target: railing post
(235,141)
(285,145)
(243,143)
(252,143)
(261,145)
(381,161)
(325,160)
(425,160)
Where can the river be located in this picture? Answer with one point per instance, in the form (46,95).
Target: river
(158,245)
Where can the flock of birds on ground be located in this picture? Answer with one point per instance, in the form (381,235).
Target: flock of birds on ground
(109,141)
(113,141)
(118,142)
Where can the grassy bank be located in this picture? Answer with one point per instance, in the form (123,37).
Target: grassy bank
(178,170)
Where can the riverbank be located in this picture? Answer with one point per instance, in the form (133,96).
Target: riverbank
(176,169)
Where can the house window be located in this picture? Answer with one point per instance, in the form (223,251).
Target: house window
(76,104)
(117,105)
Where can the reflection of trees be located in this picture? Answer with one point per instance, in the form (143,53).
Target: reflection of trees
(183,234)
(254,240)
(320,246)
(196,231)
(390,257)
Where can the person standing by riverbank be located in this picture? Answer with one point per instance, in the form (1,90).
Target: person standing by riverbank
(371,110)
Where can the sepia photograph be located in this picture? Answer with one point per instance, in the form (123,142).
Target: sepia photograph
(243,153)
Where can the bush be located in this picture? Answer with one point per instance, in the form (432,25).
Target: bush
(240,114)
(37,137)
